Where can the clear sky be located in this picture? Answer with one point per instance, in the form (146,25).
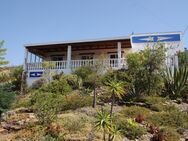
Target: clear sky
(38,21)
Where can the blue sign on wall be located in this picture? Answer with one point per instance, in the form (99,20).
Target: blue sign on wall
(35,74)
(156,38)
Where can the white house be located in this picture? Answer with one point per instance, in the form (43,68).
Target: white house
(69,55)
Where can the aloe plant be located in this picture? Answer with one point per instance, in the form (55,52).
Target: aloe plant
(175,81)
(103,122)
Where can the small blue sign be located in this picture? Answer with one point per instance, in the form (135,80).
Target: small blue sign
(156,38)
(35,74)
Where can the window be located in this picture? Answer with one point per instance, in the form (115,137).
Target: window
(114,55)
(56,58)
(86,57)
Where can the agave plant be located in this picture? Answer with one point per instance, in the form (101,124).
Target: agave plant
(175,81)
(103,122)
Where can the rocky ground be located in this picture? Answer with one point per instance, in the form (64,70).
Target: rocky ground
(16,120)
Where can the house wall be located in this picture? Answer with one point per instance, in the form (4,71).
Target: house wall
(97,54)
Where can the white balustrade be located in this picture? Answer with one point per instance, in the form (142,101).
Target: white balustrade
(60,65)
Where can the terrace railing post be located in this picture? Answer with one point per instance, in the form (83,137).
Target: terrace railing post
(25,60)
(69,57)
(119,54)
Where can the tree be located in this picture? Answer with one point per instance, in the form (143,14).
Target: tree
(117,90)
(103,122)
(46,106)
(183,58)
(145,69)
(4,77)
(94,81)
(2,54)
(17,78)
(91,76)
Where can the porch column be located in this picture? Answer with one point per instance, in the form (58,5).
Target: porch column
(119,54)
(25,59)
(69,57)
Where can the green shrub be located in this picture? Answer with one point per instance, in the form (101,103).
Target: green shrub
(156,103)
(21,102)
(46,106)
(71,79)
(57,87)
(75,100)
(145,68)
(57,76)
(134,111)
(73,123)
(83,72)
(6,99)
(38,83)
(175,82)
(182,58)
(174,118)
(17,78)
(130,128)
(171,134)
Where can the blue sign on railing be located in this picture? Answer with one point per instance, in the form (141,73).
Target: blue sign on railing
(155,38)
(35,74)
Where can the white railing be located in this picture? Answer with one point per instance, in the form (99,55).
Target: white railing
(60,65)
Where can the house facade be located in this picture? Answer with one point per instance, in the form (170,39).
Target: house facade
(111,52)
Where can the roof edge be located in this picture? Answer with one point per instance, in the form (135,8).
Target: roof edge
(78,41)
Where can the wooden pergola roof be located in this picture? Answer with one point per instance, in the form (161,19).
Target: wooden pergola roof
(43,49)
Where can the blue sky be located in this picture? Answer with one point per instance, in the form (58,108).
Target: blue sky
(38,21)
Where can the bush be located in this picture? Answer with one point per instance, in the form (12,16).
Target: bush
(21,102)
(73,123)
(156,103)
(134,111)
(130,128)
(159,136)
(38,83)
(175,82)
(6,99)
(57,87)
(71,79)
(46,106)
(145,68)
(57,76)
(171,134)
(140,118)
(17,78)
(174,118)
(75,100)
(83,72)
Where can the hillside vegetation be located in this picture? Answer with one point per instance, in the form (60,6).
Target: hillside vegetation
(146,102)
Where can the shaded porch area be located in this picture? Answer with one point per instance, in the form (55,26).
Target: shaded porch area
(70,55)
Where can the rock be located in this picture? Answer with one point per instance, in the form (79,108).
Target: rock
(3,131)
(125,139)
(7,114)
(182,107)
(23,110)
(185,134)
(146,105)
(146,137)
(11,126)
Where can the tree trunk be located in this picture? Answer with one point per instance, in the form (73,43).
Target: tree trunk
(112,105)
(104,135)
(111,112)
(94,97)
